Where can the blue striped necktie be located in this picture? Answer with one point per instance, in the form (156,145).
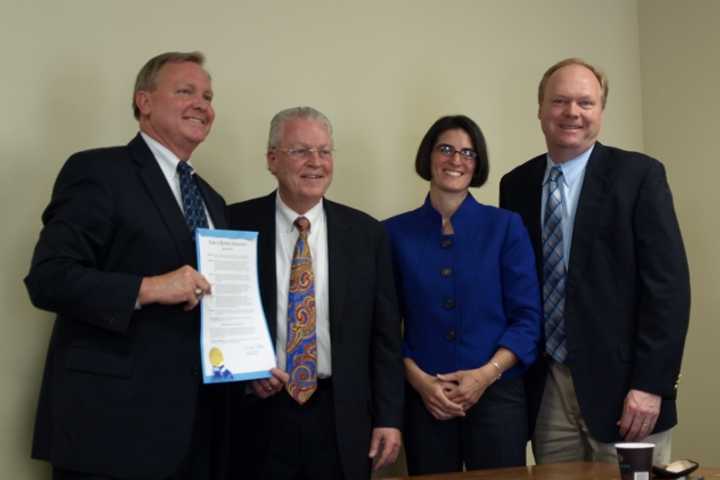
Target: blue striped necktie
(554,269)
(193,206)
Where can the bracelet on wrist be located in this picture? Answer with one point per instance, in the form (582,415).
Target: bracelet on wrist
(497,367)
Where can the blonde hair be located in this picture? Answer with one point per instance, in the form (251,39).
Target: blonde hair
(147,76)
(601,78)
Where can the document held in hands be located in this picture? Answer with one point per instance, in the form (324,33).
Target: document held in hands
(234,339)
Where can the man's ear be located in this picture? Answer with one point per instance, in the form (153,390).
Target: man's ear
(143,102)
(271,158)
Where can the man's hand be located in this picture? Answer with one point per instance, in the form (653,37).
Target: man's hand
(640,412)
(184,285)
(384,446)
(468,385)
(267,387)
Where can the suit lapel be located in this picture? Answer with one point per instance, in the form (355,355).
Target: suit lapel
(534,192)
(160,193)
(265,221)
(591,204)
(530,205)
(340,242)
(215,208)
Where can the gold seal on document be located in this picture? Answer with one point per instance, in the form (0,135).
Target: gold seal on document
(216,357)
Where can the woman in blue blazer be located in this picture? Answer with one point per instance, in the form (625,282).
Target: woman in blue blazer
(469,296)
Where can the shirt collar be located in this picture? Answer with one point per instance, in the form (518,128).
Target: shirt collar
(464,212)
(288,216)
(167,160)
(572,169)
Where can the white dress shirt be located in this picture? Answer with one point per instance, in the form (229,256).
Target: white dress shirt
(168,163)
(285,238)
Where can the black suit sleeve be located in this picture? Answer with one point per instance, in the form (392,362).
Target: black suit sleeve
(67,274)
(386,368)
(664,288)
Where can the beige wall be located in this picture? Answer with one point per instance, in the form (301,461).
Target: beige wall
(680,58)
(382,70)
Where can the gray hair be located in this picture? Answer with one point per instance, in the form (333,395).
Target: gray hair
(147,76)
(305,113)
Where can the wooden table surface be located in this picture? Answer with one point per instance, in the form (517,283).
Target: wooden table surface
(558,471)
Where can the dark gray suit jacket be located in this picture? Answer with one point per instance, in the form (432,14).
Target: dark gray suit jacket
(120,385)
(364,321)
(627,290)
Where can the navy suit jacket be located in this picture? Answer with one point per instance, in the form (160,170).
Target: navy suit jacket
(120,385)
(367,370)
(627,289)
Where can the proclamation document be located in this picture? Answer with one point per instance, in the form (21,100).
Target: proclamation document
(234,339)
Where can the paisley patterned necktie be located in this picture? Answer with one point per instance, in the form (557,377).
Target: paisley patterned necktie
(191,199)
(301,348)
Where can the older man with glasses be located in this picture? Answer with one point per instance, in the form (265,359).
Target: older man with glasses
(334,404)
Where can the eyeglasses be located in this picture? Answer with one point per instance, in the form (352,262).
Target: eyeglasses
(324,153)
(449,151)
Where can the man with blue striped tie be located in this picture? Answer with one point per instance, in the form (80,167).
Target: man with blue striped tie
(122,395)
(616,293)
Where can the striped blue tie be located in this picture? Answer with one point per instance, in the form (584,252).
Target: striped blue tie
(193,206)
(554,269)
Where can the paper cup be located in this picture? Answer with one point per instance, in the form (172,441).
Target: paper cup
(635,460)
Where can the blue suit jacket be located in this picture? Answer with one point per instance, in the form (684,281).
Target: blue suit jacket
(465,295)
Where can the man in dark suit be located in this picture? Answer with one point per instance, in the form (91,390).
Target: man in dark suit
(121,395)
(327,416)
(616,291)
